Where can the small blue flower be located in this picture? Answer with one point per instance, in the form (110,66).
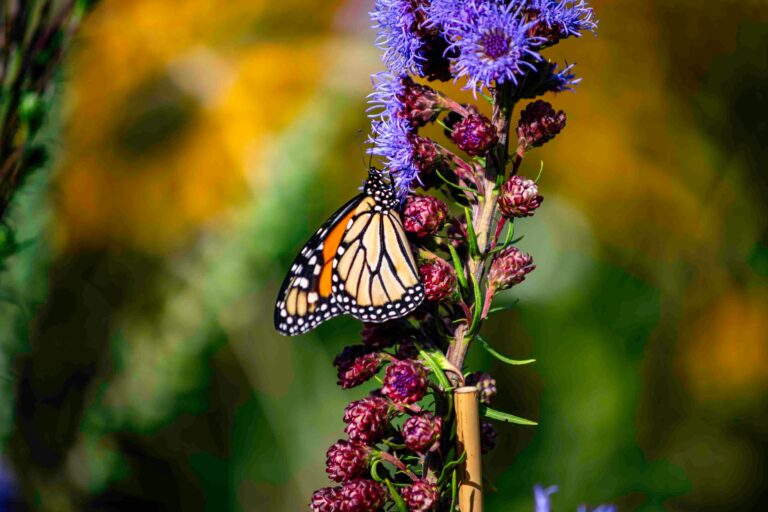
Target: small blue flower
(541,495)
(542,499)
(451,15)
(560,19)
(384,99)
(495,46)
(392,140)
(564,80)
(396,23)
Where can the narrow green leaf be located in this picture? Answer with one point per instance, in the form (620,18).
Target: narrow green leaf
(478,311)
(374,473)
(452,184)
(500,357)
(493,414)
(541,168)
(399,502)
(454,490)
(458,267)
(473,249)
(436,368)
(448,467)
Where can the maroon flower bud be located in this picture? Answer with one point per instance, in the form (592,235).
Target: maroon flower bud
(327,499)
(420,104)
(509,268)
(538,124)
(422,432)
(362,496)
(486,386)
(365,419)
(435,62)
(474,134)
(424,215)
(551,32)
(405,381)
(356,364)
(407,350)
(346,460)
(519,197)
(422,496)
(379,336)
(424,154)
(487,437)
(438,278)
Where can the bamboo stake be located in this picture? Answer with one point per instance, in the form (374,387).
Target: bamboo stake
(468,438)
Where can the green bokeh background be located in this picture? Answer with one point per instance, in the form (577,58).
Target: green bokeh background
(198,144)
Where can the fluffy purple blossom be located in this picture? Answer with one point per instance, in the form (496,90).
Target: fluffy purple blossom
(557,20)
(542,498)
(392,140)
(495,46)
(396,22)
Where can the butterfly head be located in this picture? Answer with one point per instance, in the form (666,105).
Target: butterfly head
(380,189)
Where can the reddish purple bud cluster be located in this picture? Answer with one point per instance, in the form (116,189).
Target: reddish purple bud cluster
(379,336)
(405,381)
(509,268)
(422,496)
(356,364)
(424,215)
(519,197)
(486,386)
(346,460)
(487,437)
(538,124)
(358,495)
(474,134)
(424,154)
(422,432)
(438,278)
(366,418)
(420,104)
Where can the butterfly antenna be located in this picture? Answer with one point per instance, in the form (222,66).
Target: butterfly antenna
(362,146)
(373,142)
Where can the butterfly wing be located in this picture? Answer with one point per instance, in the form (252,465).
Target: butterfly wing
(306,297)
(375,277)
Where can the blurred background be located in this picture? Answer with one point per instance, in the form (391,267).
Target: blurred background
(197,144)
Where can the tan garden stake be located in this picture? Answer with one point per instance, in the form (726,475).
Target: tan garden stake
(468,438)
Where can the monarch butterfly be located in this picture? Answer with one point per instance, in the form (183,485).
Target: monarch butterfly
(358,262)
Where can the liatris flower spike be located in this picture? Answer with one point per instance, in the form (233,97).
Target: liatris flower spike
(421,255)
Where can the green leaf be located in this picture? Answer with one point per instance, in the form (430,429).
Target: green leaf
(450,183)
(454,490)
(478,311)
(432,358)
(396,497)
(493,414)
(448,467)
(374,474)
(500,357)
(473,249)
(458,267)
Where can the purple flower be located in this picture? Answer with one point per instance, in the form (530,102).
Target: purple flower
(399,35)
(327,499)
(421,432)
(405,381)
(422,496)
(509,268)
(424,215)
(362,496)
(519,197)
(400,97)
(541,495)
(556,20)
(495,46)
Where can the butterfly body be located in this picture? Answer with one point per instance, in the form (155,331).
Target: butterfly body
(359,262)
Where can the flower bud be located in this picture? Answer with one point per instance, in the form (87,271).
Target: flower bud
(509,268)
(422,432)
(486,386)
(405,381)
(436,55)
(422,496)
(424,154)
(356,364)
(346,460)
(362,495)
(487,437)
(519,197)
(327,499)
(457,232)
(379,336)
(474,134)
(420,104)
(538,124)
(365,419)
(424,215)
(438,278)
